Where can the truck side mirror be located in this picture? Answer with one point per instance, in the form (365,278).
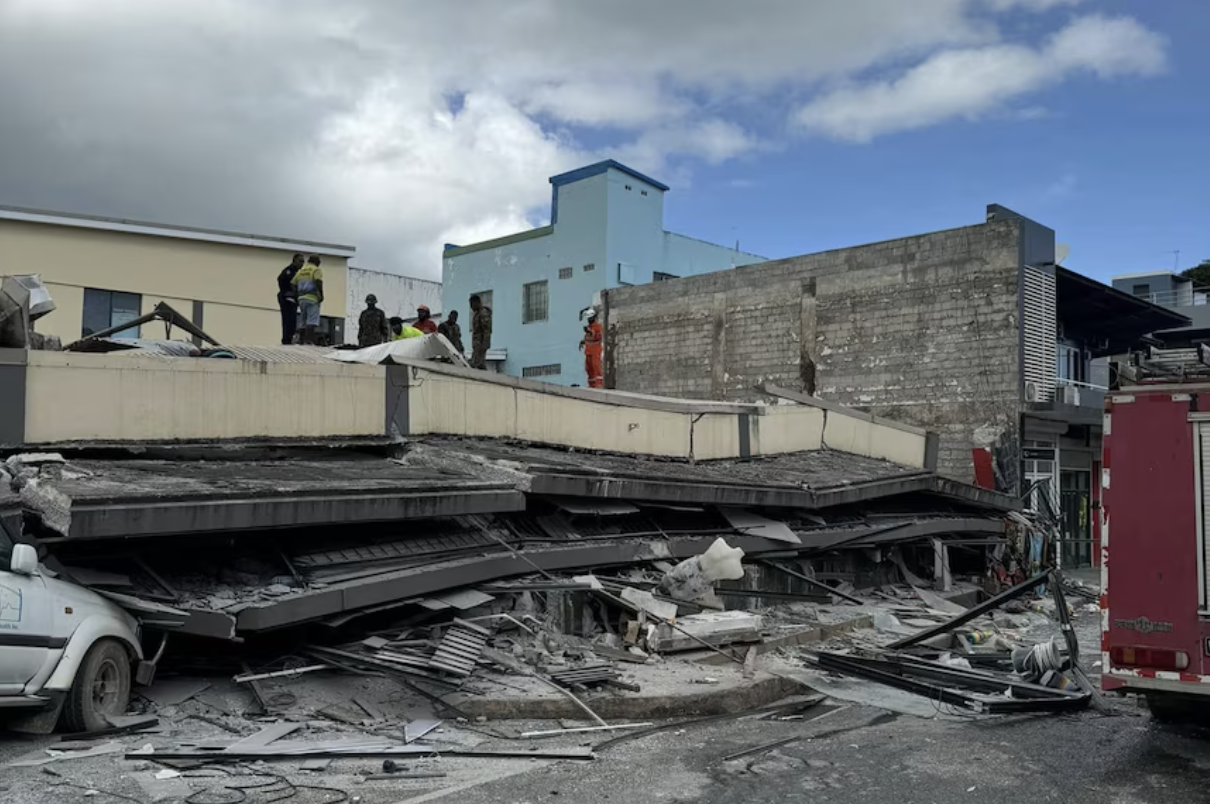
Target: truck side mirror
(25,559)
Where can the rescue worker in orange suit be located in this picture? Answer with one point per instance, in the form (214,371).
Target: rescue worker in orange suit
(593,347)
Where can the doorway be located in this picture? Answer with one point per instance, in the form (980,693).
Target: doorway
(1075,518)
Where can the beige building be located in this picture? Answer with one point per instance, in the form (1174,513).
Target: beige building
(103,272)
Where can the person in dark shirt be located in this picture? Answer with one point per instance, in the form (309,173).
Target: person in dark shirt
(287,299)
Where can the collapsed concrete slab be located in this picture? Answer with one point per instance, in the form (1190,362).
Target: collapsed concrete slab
(805,480)
(125,499)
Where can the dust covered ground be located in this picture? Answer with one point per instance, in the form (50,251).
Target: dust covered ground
(865,743)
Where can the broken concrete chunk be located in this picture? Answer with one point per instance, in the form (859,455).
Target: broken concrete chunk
(694,577)
(645,601)
(32,459)
(714,628)
(52,506)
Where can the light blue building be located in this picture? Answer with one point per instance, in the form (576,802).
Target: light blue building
(606,230)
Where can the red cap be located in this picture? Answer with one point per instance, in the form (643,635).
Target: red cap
(424,307)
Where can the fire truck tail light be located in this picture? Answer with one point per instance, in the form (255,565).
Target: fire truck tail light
(1154,658)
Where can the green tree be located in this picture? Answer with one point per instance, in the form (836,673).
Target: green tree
(1200,274)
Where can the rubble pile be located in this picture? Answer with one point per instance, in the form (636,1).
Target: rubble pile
(422,696)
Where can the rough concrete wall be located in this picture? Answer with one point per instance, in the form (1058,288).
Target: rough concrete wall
(922,330)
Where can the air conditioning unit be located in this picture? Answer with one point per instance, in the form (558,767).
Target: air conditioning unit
(1031,392)
(1068,394)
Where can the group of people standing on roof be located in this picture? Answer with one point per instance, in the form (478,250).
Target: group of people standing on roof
(300,293)
(374,327)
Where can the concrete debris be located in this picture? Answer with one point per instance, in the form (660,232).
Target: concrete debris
(693,578)
(51,755)
(714,628)
(173,692)
(645,601)
(52,506)
(17,464)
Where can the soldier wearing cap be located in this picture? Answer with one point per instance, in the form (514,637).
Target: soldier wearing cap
(372,325)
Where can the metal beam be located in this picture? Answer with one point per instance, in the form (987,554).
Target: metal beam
(1026,697)
(161,312)
(971,613)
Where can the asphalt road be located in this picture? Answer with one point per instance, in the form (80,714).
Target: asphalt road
(871,756)
(854,753)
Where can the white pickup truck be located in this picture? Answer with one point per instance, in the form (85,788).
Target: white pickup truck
(66,652)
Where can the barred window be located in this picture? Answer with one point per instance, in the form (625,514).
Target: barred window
(535,300)
(590,267)
(566,273)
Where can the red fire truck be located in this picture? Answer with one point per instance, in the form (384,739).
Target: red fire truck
(1155,555)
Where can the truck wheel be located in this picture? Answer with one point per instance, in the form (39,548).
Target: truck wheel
(1178,709)
(101,689)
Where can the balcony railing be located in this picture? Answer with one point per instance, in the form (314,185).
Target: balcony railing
(1186,297)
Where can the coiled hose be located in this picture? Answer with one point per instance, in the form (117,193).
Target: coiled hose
(1035,662)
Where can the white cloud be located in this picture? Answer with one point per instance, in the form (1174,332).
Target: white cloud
(1061,187)
(399,125)
(1031,5)
(969,83)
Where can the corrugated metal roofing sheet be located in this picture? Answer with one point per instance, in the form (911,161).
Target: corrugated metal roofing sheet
(281,354)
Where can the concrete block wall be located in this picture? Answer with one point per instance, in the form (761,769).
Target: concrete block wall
(922,330)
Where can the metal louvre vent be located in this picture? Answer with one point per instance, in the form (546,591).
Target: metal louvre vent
(548,370)
(1038,334)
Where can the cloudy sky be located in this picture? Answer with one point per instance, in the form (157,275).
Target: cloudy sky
(792,126)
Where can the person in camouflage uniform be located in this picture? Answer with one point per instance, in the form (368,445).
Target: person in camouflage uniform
(372,325)
(452,331)
(481,332)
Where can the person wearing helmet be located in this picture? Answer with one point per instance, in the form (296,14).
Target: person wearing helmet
(372,325)
(593,347)
(424,321)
